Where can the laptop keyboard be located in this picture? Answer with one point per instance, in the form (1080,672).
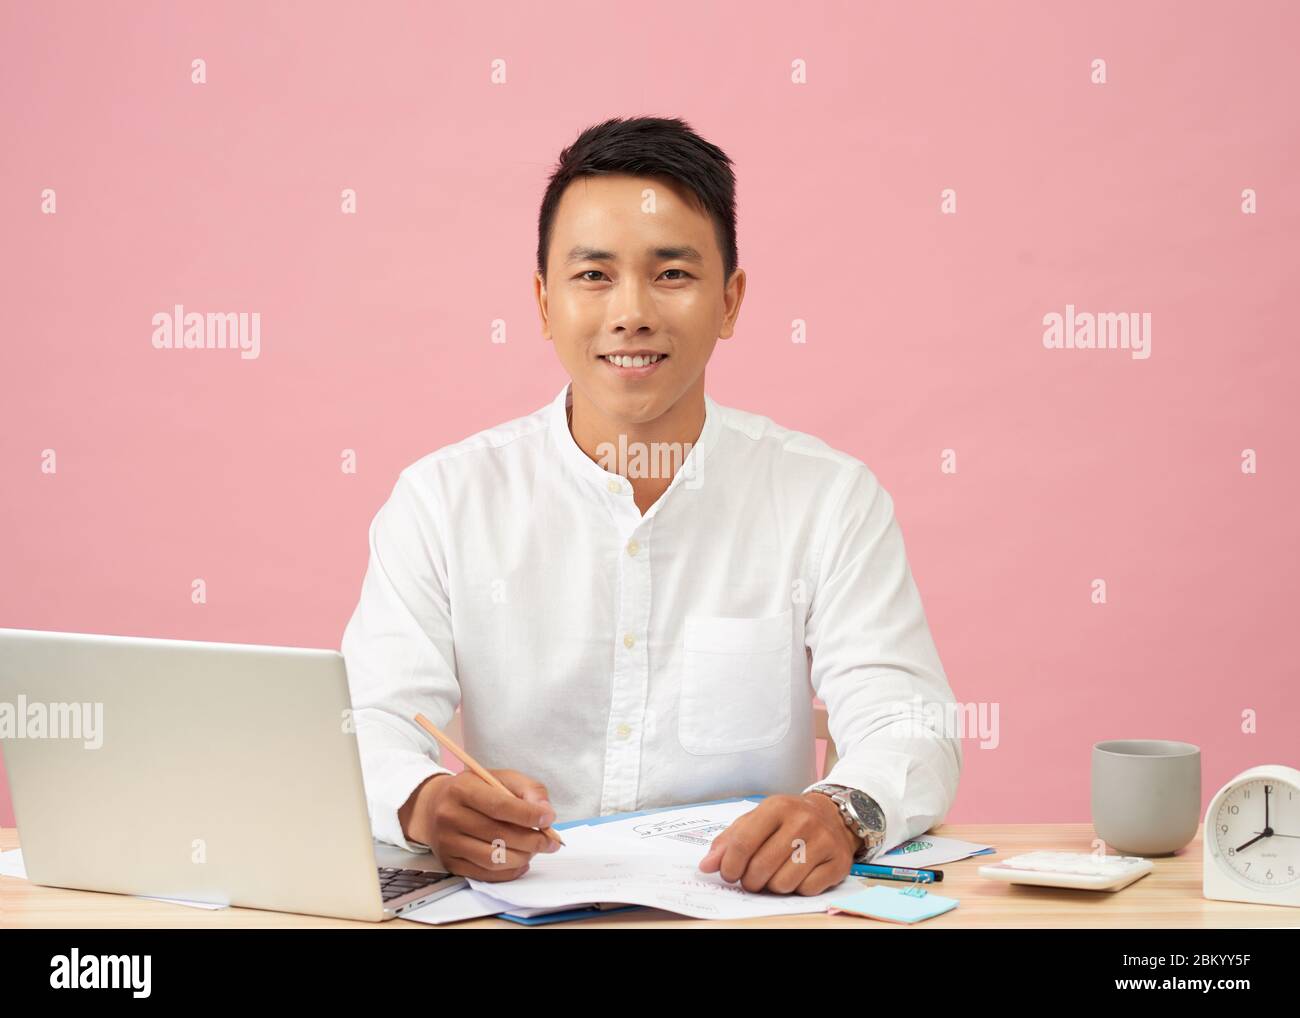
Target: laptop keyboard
(393,882)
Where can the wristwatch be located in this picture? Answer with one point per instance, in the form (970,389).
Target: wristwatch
(862,815)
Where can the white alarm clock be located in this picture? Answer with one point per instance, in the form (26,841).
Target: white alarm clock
(1251,849)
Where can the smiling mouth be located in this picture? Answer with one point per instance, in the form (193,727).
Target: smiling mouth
(638,360)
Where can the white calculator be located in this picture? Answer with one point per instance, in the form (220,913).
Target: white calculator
(1082,870)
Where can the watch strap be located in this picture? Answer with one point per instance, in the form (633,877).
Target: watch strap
(872,839)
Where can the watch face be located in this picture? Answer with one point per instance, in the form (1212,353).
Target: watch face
(866,808)
(1257,832)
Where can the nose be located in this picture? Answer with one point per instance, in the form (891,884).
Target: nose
(631,308)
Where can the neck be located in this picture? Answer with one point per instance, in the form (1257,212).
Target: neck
(647,453)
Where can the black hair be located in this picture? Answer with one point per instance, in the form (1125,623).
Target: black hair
(648,147)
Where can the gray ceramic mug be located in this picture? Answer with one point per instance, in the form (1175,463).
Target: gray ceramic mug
(1146,795)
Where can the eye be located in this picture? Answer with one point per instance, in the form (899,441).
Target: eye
(585,276)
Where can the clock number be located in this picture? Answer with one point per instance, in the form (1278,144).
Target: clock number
(1233,821)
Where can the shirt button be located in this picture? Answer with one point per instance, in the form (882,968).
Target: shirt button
(633,547)
(615,487)
(624,731)
(628,641)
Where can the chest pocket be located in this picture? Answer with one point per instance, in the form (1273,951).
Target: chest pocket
(735,692)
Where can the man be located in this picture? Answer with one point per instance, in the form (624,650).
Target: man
(634,593)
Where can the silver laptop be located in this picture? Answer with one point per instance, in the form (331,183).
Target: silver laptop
(215,772)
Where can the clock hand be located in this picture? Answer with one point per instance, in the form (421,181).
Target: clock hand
(1253,840)
(1267,832)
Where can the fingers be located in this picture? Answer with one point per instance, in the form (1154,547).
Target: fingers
(490,856)
(810,872)
(463,867)
(489,834)
(776,854)
(469,821)
(526,788)
(534,810)
(735,848)
(779,849)
(823,877)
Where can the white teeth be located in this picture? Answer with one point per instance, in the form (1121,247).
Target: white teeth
(633,362)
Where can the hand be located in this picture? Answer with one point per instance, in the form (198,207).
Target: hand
(786,843)
(476,830)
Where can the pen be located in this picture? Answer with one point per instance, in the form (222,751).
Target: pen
(866,869)
(476,767)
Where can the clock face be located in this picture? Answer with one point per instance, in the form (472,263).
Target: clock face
(1257,830)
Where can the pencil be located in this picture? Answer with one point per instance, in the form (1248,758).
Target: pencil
(476,767)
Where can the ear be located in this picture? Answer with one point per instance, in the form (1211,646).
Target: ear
(539,292)
(732,297)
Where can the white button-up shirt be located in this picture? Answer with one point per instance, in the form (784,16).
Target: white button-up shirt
(631,661)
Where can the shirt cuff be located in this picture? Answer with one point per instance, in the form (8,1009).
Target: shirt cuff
(400,777)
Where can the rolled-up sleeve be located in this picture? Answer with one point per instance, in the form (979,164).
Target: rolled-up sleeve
(875,666)
(400,658)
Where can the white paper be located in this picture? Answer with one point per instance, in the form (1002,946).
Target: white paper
(11,865)
(466,903)
(681,833)
(928,851)
(469,904)
(528,913)
(654,861)
(181,901)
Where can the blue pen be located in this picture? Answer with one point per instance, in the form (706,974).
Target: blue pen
(866,869)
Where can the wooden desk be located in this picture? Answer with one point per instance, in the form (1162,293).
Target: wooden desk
(1168,897)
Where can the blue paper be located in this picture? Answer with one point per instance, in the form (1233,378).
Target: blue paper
(565,916)
(894,904)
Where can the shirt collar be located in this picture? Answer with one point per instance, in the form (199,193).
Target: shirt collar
(612,485)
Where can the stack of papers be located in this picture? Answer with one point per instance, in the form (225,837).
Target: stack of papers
(650,860)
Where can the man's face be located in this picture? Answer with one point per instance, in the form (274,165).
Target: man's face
(634,274)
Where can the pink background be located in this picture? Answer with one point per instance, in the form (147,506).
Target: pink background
(924,330)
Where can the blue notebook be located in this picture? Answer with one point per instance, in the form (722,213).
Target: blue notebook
(587,913)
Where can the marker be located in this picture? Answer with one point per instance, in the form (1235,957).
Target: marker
(866,869)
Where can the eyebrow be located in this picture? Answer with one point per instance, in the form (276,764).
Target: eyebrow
(582,253)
